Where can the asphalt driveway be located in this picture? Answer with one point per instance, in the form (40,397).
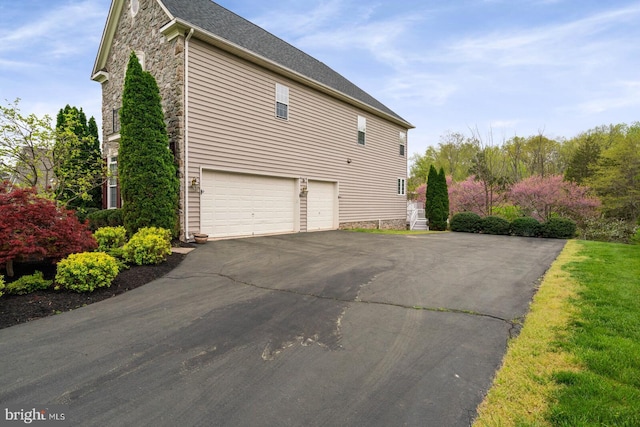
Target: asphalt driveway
(331,328)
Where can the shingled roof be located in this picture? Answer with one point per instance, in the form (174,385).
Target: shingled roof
(220,22)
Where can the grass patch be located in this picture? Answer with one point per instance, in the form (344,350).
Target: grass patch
(606,340)
(577,359)
(524,385)
(376,231)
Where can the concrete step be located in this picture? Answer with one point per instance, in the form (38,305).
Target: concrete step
(421,224)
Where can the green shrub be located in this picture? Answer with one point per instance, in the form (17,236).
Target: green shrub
(105,218)
(495,225)
(559,228)
(508,212)
(526,227)
(86,271)
(607,230)
(27,284)
(82,214)
(1,284)
(150,245)
(110,238)
(467,222)
(635,239)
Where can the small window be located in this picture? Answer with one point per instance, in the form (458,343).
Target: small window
(112,194)
(135,7)
(116,120)
(401,187)
(362,130)
(403,142)
(282,101)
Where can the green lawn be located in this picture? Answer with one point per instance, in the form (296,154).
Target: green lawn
(577,359)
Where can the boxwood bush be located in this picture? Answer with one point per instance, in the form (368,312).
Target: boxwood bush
(86,271)
(1,284)
(495,225)
(105,218)
(467,222)
(526,227)
(559,228)
(110,238)
(27,284)
(150,245)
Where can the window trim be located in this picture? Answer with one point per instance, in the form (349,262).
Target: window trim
(282,99)
(401,187)
(403,143)
(362,130)
(112,183)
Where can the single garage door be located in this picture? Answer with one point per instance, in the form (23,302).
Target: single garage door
(322,202)
(246,205)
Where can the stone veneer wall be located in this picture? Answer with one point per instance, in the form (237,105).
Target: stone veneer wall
(164,60)
(384,224)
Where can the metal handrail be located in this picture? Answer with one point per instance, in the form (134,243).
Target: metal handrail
(414,218)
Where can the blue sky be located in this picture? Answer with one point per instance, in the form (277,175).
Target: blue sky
(509,66)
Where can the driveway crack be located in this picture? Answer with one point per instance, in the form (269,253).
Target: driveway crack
(514,329)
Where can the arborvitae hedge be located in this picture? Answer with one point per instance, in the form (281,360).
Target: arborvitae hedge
(466,222)
(525,227)
(495,225)
(147,172)
(559,228)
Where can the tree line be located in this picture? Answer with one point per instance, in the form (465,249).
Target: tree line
(602,163)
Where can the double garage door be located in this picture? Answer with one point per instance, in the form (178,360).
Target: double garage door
(245,205)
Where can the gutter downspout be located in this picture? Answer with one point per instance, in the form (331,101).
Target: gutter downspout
(186,134)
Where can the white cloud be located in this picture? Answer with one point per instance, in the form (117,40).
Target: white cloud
(418,89)
(60,31)
(562,43)
(297,23)
(618,96)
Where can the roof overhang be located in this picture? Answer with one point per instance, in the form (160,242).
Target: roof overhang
(177,27)
(99,74)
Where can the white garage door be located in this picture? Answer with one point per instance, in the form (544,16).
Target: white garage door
(246,205)
(322,201)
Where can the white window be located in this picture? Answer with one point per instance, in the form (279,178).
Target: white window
(112,185)
(282,101)
(362,130)
(135,6)
(401,187)
(403,143)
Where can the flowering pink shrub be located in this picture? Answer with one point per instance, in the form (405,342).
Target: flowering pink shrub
(540,197)
(468,196)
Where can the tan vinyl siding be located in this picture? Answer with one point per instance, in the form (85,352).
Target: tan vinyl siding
(232,127)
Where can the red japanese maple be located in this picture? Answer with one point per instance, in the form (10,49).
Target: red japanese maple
(32,227)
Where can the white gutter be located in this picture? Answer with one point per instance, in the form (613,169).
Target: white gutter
(186,134)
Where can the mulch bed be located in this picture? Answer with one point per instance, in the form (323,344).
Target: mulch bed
(16,309)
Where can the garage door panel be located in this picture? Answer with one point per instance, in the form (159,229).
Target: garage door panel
(244,205)
(322,201)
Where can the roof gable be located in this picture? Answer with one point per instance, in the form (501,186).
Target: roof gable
(210,19)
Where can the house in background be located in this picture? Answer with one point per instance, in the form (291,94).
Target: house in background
(267,138)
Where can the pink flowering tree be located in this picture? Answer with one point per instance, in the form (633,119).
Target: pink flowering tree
(541,197)
(470,196)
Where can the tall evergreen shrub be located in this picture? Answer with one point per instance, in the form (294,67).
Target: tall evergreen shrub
(437,203)
(147,172)
(79,172)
